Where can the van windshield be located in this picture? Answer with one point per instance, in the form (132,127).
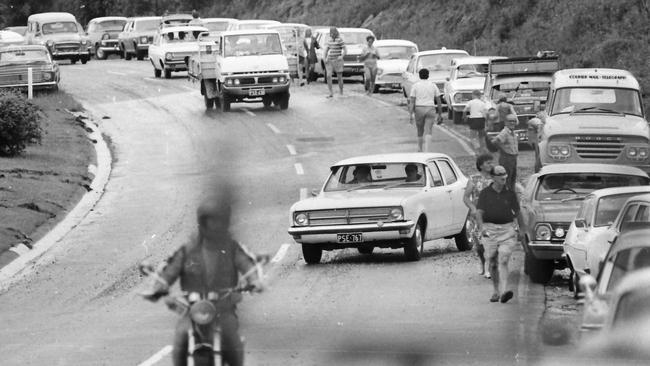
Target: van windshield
(438,62)
(597,100)
(252,45)
(60,27)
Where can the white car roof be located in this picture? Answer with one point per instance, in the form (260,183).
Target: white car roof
(105,19)
(257,21)
(473,60)
(620,190)
(595,77)
(52,17)
(440,51)
(591,168)
(184,28)
(394,42)
(209,20)
(11,37)
(248,31)
(143,18)
(422,158)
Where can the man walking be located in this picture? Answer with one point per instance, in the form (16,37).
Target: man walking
(333,55)
(497,208)
(424,98)
(508,145)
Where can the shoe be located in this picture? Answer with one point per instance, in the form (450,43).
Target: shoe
(494,298)
(487,275)
(329,96)
(506,296)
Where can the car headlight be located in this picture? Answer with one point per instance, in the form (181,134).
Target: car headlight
(275,80)
(143,39)
(559,232)
(543,232)
(50,43)
(47,76)
(458,98)
(237,82)
(396,214)
(228,81)
(169,56)
(637,153)
(301,219)
(86,42)
(559,151)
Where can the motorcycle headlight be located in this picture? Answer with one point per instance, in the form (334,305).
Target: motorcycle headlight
(143,39)
(396,214)
(202,312)
(169,56)
(543,232)
(301,219)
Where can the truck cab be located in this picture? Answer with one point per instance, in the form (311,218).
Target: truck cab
(241,66)
(595,115)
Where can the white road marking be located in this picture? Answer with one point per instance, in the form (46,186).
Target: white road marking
(299,169)
(158,356)
(20,249)
(249,112)
(116,73)
(292,149)
(382,102)
(281,253)
(303,193)
(273,128)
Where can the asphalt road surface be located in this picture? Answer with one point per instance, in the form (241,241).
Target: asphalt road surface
(80,305)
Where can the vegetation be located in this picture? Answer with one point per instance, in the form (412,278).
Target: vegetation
(19,123)
(586,33)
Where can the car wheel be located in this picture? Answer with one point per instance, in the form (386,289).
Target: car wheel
(225,105)
(139,55)
(463,242)
(312,253)
(539,270)
(284,100)
(267,101)
(157,72)
(99,53)
(376,89)
(209,102)
(73,61)
(457,116)
(414,246)
(367,250)
(168,74)
(127,55)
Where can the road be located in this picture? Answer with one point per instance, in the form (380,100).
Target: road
(80,305)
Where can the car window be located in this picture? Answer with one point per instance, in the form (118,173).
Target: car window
(628,216)
(447,172)
(411,64)
(632,307)
(609,207)
(585,211)
(376,176)
(556,187)
(642,214)
(619,269)
(436,177)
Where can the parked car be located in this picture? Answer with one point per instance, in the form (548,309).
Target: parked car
(630,253)
(438,62)
(550,202)
(467,74)
(8,38)
(586,241)
(172,48)
(102,33)
(137,35)
(370,201)
(354,39)
(394,55)
(61,34)
(20,29)
(15,61)
(175,20)
(248,24)
(219,24)
(292,36)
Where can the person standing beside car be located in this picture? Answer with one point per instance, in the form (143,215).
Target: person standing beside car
(425,96)
(310,44)
(508,145)
(333,55)
(476,109)
(369,56)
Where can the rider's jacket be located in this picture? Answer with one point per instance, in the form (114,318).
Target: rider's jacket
(205,268)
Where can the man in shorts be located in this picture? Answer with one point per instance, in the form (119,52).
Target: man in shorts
(334,52)
(498,206)
(424,99)
(476,110)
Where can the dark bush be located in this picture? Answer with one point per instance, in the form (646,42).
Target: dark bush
(19,123)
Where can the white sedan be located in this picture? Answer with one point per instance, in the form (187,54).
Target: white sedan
(386,201)
(586,242)
(394,55)
(172,48)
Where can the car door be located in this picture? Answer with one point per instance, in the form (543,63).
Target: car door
(438,203)
(456,190)
(408,77)
(575,244)
(156,50)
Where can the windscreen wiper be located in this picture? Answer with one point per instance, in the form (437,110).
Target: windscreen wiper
(599,109)
(574,198)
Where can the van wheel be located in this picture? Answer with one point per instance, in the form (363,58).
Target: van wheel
(414,246)
(312,253)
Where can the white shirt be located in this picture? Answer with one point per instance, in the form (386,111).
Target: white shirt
(476,108)
(425,93)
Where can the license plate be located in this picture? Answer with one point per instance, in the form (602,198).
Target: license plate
(349,238)
(396,85)
(256,92)
(356,69)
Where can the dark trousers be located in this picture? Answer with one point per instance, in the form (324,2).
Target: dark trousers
(232,348)
(510,163)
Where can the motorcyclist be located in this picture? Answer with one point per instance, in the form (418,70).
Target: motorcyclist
(211,261)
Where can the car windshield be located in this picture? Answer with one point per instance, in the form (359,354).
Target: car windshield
(521,92)
(632,307)
(354,37)
(628,260)
(595,100)
(60,27)
(110,25)
(557,187)
(147,25)
(254,25)
(472,71)
(608,208)
(375,176)
(396,52)
(438,62)
(23,56)
(216,26)
(252,44)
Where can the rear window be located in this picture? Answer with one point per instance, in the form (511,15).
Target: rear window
(556,187)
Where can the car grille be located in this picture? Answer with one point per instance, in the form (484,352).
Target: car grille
(349,216)
(352,58)
(18,74)
(256,72)
(67,47)
(598,147)
(110,42)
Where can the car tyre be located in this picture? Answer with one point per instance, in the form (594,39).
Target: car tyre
(139,55)
(462,239)
(415,245)
(157,72)
(225,103)
(457,116)
(312,253)
(367,250)
(209,102)
(376,89)
(267,101)
(284,100)
(99,53)
(73,61)
(168,74)
(539,270)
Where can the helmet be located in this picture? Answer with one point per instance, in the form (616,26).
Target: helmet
(217,205)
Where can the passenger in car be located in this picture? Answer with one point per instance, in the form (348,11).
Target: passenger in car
(361,175)
(412,175)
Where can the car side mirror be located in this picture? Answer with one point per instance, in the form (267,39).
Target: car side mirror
(588,286)
(581,223)
(612,238)
(314,192)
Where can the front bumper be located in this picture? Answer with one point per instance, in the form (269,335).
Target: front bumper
(39,85)
(371,233)
(546,250)
(175,65)
(142,47)
(58,55)
(110,46)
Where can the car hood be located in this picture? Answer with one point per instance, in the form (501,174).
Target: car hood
(556,211)
(254,63)
(359,198)
(596,123)
(181,47)
(475,83)
(392,66)
(63,37)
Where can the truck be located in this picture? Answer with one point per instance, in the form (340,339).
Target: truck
(241,66)
(594,115)
(524,82)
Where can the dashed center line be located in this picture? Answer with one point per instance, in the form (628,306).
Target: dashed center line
(281,253)
(273,128)
(299,169)
(292,149)
(157,357)
(303,193)
(249,113)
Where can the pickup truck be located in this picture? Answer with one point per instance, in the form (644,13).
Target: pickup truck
(241,66)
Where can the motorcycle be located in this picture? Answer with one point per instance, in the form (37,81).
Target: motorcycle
(203,315)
